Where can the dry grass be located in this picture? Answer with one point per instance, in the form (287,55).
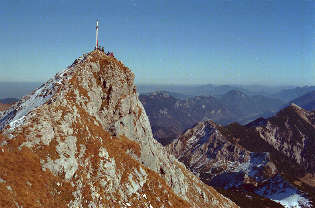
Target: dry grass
(74,82)
(309,179)
(30,185)
(4,107)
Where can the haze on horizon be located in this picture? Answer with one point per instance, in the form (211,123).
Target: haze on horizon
(163,42)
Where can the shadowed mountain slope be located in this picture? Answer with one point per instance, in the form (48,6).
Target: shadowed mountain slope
(306,101)
(170,116)
(290,94)
(272,158)
(249,107)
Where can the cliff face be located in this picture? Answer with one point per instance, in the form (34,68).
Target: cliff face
(83,140)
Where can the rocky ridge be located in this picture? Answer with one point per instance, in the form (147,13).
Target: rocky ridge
(83,140)
(221,161)
(291,132)
(218,161)
(306,101)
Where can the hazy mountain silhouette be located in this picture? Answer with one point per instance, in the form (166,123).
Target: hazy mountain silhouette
(288,95)
(306,101)
(17,89)
(170,116)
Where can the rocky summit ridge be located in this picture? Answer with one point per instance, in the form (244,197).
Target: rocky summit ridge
(83,139)
(292,132)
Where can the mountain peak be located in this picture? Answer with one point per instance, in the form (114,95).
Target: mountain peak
(294,112)
(235,93)
(295,106)
(83,139)
(306,101)
(95,64)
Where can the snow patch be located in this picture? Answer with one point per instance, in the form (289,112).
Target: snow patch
(282,192)
(15,116)
(236,172)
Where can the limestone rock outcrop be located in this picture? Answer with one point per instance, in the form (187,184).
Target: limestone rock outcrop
(83,139)
(291,132)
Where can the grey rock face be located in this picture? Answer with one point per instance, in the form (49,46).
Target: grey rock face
(292,132)
(91,131)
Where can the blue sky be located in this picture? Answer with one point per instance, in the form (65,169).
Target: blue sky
(164,42)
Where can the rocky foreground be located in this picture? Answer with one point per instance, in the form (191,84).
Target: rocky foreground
(83,139)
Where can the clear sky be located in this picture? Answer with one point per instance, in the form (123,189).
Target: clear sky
(164,41)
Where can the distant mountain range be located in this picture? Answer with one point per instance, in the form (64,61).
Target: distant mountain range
(8,100)
(6,103)
(272,158)
(248,108)
(285,93)
(291,94)
(170,116)
(306,101)
(172,94)
(191,90)
(17,89)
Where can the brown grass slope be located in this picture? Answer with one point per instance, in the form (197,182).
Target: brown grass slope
(4,107)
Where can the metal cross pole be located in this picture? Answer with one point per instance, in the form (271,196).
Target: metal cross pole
(96,34)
